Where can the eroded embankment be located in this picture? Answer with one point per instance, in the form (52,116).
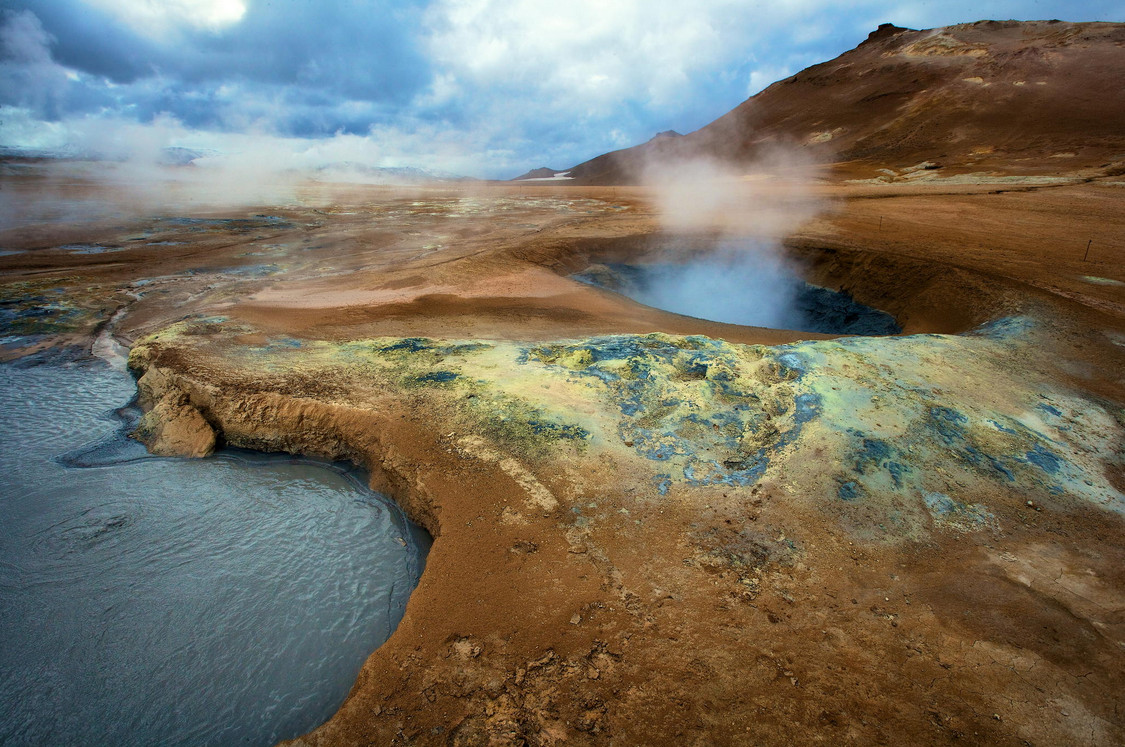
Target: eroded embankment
(923,296)
(651,534)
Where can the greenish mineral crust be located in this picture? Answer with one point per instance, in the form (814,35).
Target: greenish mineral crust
(655,513)
(58,306)
(875,431)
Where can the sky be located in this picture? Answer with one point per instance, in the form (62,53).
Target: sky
(481,88)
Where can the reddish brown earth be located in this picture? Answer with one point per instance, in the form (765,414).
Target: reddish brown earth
(1008,97)
(690,618)
(567,597)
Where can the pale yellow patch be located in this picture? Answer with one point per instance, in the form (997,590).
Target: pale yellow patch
(538,496)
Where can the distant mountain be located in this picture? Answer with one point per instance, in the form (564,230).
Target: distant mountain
(540,173)
(172,155)
(543,174)
(1034,97)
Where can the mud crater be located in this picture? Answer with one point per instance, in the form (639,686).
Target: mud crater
(739,293)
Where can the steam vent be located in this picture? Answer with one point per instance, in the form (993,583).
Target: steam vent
(803,427)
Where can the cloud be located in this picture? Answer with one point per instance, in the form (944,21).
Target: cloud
(587,53)
(496,86)
(23,39)
(597,76)
(28,76)
(160,18)
(338,48)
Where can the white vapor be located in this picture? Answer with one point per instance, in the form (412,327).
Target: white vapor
(28,74)
(128,168)
(156,19)
(742,214)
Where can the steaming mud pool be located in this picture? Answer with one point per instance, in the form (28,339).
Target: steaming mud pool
(144,600)
(737,292)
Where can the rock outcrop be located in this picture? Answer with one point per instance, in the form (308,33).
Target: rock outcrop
(171,425)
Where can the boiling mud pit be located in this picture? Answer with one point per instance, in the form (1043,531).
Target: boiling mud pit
(145,600)
(737,291)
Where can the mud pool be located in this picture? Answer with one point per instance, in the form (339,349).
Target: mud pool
(144,600)
(742,292)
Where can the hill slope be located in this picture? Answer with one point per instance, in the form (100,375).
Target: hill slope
(1025,97)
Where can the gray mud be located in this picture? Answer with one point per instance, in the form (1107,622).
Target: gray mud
(148,601)
(720,292)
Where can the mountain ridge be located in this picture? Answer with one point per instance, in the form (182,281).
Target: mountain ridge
(1014,96)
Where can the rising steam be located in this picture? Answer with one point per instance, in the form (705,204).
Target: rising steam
(741,275)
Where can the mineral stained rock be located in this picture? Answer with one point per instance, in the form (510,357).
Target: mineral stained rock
(172,426)
(777,526)
(657,529)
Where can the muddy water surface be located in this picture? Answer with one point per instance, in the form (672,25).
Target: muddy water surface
(736,290)
(223,601)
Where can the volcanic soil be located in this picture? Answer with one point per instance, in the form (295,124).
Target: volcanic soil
(650,528)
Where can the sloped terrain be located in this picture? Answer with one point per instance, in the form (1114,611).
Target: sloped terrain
(1017,97)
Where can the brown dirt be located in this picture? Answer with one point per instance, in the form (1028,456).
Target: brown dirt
(722,615)
(1030,98)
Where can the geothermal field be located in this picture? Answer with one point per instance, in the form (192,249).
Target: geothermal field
(806,427)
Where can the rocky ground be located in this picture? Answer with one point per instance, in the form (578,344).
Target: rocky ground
(651,528)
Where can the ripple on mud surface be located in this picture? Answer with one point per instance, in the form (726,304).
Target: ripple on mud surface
(164,601)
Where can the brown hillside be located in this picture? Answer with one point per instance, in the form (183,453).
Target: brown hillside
(1021,97)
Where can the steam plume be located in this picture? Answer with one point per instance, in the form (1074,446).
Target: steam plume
(28,75)
(742,275)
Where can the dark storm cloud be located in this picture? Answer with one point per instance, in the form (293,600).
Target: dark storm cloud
(88,40)
(483,87)
(359,50)
(327,53)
